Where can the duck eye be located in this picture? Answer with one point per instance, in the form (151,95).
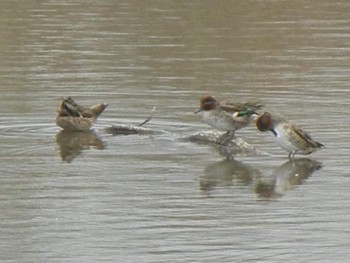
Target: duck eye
(209,101)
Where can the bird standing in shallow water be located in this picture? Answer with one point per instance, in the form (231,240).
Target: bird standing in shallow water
(74,117)
(288,136)
(226,116)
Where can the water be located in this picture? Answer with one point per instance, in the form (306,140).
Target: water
(154,198)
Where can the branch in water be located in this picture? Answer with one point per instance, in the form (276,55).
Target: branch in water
(149,118)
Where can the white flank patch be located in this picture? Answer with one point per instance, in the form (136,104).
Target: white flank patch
(282,139)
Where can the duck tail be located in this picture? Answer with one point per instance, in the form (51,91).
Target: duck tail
(98,109)
(254,105)
(319,145)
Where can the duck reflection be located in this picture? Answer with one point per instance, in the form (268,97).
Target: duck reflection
(227,173)
(72,143)
(286,177)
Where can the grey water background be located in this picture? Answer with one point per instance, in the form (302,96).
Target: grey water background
(157,198)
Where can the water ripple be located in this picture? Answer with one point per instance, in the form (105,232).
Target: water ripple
(29,127)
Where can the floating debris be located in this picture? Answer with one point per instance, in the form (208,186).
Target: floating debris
(125,129)
(228,148)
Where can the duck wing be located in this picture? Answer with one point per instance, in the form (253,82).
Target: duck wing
(68,109)
(307,138)
(232,107)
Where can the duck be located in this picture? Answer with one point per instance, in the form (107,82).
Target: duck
(74,117)
(288,136)
(227,116)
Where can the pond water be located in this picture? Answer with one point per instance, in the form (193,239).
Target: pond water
(95,197)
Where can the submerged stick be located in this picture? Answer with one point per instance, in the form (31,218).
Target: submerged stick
(149,118)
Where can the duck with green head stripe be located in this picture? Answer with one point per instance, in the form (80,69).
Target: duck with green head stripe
(226,116)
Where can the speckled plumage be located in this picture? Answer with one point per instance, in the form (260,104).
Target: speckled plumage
(74,117)
(288,136)
(226,116)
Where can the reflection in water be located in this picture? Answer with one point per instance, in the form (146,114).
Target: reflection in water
(72,143)
(286,177)
(292,55)
(227,173)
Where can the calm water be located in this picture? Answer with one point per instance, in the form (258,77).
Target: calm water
(96,197)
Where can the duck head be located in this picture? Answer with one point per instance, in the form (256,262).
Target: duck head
(265,122)
(207,102)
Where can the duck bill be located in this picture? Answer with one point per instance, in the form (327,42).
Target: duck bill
(198,110)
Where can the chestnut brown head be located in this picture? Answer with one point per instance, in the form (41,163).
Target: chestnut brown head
(264,122)
(208,102)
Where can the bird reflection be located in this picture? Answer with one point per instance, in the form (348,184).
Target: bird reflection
(286,177)
(72,143)
(227,173)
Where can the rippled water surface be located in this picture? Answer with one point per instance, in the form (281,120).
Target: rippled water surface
(94,196)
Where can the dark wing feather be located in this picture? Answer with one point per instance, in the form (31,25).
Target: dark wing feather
(307,138)
(69,110)
(236,107)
